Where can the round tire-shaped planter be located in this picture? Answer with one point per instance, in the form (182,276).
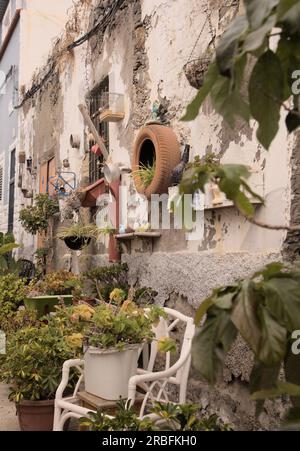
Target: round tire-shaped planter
(76,244)
(159,144)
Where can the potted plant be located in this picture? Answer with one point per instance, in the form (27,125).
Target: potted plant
(34,359)
(78,236)
(113,342)
(43,295)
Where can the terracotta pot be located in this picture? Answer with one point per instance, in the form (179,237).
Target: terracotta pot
(156,143)
(36,415)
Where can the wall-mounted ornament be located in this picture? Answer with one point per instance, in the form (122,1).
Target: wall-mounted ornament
(22,157)
(156,153)
(66,163)
(75,141)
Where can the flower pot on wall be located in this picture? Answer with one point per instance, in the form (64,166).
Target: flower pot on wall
(107,372)
(90,194)
(36,415)
(159,144)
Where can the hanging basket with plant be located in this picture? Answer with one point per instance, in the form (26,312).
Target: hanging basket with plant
(78,236)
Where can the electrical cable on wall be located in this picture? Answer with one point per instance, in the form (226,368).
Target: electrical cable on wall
(100,26)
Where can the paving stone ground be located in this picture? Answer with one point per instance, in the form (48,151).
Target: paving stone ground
(8,418)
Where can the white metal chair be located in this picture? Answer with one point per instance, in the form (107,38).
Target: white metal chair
(155,384)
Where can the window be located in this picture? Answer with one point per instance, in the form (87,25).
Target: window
(95,163)
(1,183)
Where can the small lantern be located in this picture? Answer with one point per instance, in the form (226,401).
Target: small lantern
(29,164)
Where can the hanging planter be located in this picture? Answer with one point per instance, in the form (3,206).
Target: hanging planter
(156,153)
(195,71)
(78,236)
(77,244)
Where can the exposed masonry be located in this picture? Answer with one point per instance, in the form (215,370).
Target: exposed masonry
(292,242)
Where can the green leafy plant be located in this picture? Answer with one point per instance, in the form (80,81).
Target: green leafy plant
(124,420)
(80,231)
(264,310)
(55,283)
(35,356)
(145,173)
(117,327)
(231,179)
(248,78)
(12,295)
(41,255)
(106,278)
(35,218)
(7,261)
(170,417)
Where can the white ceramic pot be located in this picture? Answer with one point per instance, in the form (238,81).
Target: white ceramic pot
(107,372)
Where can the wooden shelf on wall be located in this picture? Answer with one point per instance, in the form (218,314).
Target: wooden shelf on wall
(110,116)
(228,204)
(126,239)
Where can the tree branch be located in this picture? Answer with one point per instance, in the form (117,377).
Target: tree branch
(293,228)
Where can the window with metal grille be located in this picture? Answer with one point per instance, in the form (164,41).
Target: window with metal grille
(1,183)
(95,163)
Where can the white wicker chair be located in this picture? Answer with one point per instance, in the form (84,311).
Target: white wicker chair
(155,384)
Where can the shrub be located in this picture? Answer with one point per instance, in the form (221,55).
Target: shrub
(35,218)
(55,283)
(34,360)
(12,294)
(170,417)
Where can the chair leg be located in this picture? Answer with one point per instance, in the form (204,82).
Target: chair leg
(57,419)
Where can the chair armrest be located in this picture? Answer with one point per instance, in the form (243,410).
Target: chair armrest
(153,376)
(68,364)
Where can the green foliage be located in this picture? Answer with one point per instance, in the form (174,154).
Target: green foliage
(55,283)
(171,417)
(231,179)
(117,327)
(35,218)
(248,79)
(34,360)
(145,173)
(41,255)
(12,295)
(82,231)
(10,324)
(106,278)
(264,310)
(124,420)
(7,245)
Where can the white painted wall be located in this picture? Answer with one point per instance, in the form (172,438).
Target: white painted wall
(42,22)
